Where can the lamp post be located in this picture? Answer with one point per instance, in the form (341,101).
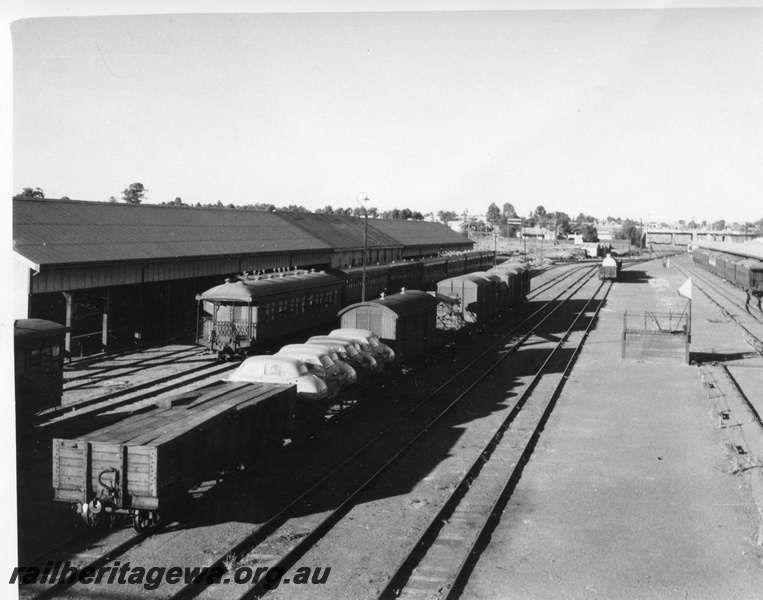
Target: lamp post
(359,200)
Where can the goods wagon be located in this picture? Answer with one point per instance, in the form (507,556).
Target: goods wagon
(609,268)
(474,293)
(39,364)
(494,303)
(522,274)
(506,285)
(143,465)
(406,322)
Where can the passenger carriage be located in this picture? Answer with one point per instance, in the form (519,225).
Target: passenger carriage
(434,269)
(377,281)
(239,314)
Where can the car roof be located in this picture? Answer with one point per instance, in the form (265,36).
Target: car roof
(361,332)
(306,349)
(271,358)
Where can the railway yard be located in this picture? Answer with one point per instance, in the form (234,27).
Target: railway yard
(524,458)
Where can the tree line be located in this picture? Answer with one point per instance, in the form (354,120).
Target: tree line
(135,193)
(497,220)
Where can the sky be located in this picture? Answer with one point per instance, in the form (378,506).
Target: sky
(652,110)
(643,113)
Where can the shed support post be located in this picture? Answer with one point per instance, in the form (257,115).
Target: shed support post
(105,318)
(68,336)
(167,310)
(138,327)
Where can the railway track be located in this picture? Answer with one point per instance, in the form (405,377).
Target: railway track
(720,288)
(273,540)
(441,557)
(271,527)
(712,290)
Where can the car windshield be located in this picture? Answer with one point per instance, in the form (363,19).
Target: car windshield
(351,351)
(303,369)
(326,361)
(373,342)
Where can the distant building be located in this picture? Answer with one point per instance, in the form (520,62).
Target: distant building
(537,233)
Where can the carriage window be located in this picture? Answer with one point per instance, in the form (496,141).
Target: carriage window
(34,358)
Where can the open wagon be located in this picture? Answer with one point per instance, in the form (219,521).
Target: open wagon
(144,464)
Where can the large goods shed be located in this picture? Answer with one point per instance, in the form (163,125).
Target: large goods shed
(422,238)
(118,273)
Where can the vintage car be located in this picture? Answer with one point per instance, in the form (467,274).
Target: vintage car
(283,370)
(319,363)
(369,341)
(348,350)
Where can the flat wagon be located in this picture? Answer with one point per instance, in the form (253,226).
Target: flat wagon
(144,464)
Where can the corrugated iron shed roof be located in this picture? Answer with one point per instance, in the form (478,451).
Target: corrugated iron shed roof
(341,232)
(54,232)
(419,233)
(751,249)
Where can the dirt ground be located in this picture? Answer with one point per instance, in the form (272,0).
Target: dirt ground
(631,492)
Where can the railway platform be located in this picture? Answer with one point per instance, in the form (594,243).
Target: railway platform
(636,489)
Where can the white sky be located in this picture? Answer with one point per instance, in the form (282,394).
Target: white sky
(653,114)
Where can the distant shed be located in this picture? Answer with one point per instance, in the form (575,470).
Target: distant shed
(405,321)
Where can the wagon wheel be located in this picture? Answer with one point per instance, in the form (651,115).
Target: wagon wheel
(142,520)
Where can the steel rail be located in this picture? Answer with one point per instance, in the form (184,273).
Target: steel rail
(749,337)
(264,530)
(717,286)
(319,531)
(271,525)
(445,578)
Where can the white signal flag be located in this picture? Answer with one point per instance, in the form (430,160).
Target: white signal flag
(685,289)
